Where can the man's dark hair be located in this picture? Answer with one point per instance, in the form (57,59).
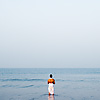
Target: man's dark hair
(50,75)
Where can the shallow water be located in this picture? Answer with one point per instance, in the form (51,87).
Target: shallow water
(31,84)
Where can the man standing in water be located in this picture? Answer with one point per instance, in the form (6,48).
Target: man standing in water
(51,82)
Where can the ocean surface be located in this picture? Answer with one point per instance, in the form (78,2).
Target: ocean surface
(31,83)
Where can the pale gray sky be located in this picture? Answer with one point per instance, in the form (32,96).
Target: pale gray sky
(50,33)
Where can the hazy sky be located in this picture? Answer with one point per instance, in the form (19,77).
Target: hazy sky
(50,33)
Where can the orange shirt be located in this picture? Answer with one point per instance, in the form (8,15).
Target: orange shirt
(51,80)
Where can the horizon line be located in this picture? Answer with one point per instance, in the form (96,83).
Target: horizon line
(52,67)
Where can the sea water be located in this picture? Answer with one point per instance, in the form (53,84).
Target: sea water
(31,83)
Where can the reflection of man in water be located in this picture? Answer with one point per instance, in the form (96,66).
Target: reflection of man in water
(51,97)
(51,82)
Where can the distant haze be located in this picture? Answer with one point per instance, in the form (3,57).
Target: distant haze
(49,33)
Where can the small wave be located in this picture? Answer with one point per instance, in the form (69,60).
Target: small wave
(60,80)
(22,80)
(8,86)
(48,95)
(27,86)
(43,80)
(31,99)
(4,86)
(69,80)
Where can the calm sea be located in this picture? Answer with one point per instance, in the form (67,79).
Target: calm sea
(31,83)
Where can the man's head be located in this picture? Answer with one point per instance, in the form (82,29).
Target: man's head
(50,75)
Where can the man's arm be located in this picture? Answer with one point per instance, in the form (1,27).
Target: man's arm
(53,81)
(48,81)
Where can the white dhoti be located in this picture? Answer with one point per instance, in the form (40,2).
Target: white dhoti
(51,88)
